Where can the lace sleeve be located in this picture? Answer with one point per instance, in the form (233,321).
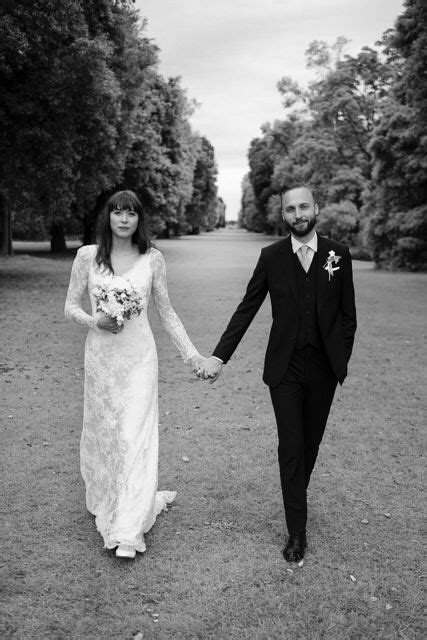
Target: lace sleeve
(78,283)
(170,321)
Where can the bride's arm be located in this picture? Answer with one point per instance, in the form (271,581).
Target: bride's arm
(170,321)
(78,283)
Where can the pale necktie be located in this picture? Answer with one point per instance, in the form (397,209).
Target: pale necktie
(304,257)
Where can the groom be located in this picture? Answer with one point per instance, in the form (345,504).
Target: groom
(309,279)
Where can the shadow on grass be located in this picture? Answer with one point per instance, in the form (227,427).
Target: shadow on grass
(42,250)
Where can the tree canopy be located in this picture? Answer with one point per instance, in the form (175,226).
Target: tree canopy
(357,135)
(396,201)
(85,111)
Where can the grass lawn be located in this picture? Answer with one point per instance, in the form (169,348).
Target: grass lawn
(213,567)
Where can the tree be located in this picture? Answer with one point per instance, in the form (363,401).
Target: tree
(110,121)
(347,102)
(326,138)
(35,138)
(340,221)
(5,227)
(72,74)
(85,112)
(274,214)
(201,210)
(61,106)
(161,161)
(265,154)
(220,210)
(249,215)
(395,204)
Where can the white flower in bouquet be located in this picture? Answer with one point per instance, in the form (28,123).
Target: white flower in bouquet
(121,285)
(117,297)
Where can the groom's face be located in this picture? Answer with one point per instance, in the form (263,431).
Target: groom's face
(299,211)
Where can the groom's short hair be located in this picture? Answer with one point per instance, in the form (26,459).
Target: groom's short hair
(297,185)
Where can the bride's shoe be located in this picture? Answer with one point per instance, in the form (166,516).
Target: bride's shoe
(125,551)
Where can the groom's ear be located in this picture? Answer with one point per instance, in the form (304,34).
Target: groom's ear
(316,209)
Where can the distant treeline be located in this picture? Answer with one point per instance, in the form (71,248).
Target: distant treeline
(84,111)
(358,136)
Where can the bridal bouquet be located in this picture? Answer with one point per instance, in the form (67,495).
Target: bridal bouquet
(117,298)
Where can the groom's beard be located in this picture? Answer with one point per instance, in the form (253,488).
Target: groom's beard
(302,229)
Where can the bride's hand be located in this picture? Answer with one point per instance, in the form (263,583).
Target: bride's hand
(196,362)
(107,323)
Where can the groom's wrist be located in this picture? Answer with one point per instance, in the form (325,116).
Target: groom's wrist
(219,359)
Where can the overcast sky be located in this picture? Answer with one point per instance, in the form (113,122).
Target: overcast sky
(231,53)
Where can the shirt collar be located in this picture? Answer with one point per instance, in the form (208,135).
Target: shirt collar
(296,244)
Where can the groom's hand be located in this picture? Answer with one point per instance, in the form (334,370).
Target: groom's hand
(210,369)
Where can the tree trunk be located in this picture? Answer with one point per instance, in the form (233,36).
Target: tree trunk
(90,218)
(5,227)
(57,238)
(88,231)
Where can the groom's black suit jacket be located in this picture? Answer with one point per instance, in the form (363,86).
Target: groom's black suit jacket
(275,273)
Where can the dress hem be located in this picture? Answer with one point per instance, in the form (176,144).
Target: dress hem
(162,500)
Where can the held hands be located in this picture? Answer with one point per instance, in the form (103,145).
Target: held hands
(206,368)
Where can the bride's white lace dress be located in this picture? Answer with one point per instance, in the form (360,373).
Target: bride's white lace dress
(119,443)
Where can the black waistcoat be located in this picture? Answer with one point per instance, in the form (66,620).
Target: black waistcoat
(308,327)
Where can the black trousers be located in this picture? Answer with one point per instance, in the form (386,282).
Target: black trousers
(301,404)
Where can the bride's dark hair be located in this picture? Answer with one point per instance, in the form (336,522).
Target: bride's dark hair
(121,200)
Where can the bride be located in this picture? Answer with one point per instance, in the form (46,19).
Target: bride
(119,442)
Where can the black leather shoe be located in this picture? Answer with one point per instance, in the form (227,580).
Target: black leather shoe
(295,547)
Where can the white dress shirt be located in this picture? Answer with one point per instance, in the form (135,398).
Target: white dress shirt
(311,244)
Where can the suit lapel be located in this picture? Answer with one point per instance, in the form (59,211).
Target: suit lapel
(289,266)
(322,276)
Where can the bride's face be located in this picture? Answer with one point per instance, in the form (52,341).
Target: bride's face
(123,222)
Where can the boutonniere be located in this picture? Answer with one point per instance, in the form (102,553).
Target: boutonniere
(329,264)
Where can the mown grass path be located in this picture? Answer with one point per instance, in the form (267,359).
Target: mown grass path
(213,568)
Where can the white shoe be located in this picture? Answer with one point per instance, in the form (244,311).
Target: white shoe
(125,551)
